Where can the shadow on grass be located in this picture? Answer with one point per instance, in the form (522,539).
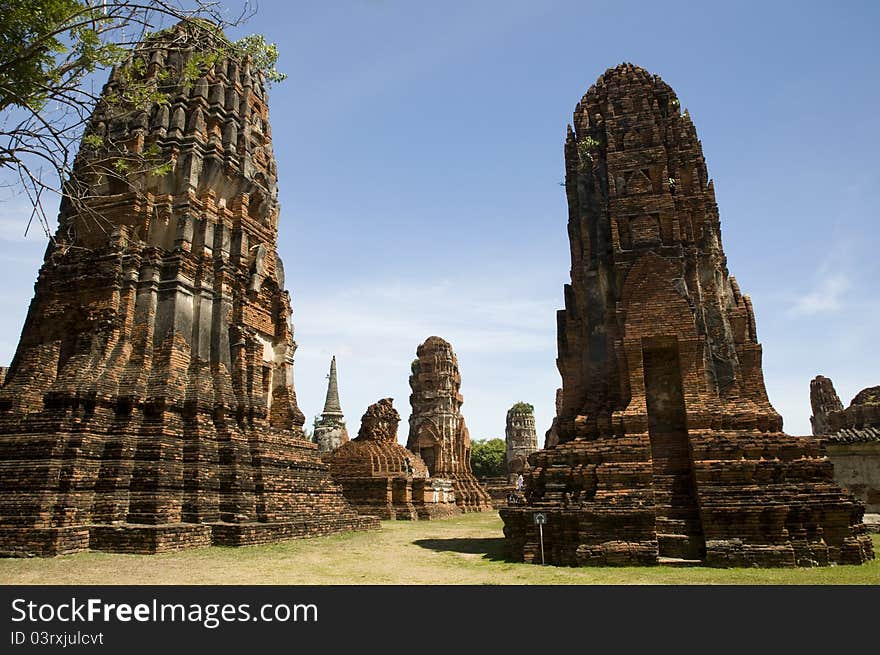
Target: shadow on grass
(491,548)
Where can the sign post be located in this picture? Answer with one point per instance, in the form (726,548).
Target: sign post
(540,520)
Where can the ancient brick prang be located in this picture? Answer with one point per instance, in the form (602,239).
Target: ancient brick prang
(520,439)
(150,404)
(437,431)
(382,478)
(330,431)
(852,437)
(668,445)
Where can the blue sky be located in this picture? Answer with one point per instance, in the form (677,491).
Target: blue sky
(419,149)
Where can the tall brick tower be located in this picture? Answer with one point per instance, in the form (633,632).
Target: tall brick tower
(520,439)
(437,431)
(150,404)
(668,445)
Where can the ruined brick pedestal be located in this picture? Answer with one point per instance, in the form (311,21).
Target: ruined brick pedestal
(852,437)
(150,405)
(437,431)
(434,498)
(499,490)
(668,446)
(382,478)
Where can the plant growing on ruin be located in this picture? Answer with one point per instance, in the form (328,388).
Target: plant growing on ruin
(51,55)
(585,151)
(523,408)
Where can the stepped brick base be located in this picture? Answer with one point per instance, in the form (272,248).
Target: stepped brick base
(758,500)
(95,481)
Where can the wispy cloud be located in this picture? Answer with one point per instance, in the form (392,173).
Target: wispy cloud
(831,284)
(503,332)
(480,319)
(826,296)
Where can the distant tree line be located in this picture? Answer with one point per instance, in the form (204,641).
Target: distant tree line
(487,457)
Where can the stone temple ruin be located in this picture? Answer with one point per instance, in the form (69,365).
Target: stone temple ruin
(520,439)
(150,405)
(330,431)
(852,437)
(437,432)
(382,478)
(668,445)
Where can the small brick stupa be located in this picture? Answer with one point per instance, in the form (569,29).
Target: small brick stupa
(382,478)
(437,431)
(330,430)
(150,405)
(668,445)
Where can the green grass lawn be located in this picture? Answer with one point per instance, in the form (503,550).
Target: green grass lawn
(465,550)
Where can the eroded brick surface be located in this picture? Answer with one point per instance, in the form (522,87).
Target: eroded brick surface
(667,443)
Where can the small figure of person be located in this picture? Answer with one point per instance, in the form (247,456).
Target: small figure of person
(519,483)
